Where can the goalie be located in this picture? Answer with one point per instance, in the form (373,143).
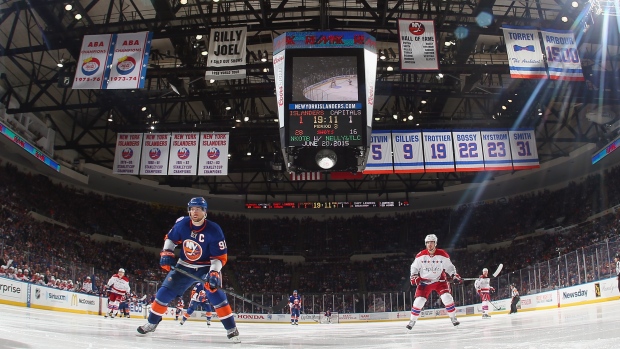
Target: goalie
(483,287)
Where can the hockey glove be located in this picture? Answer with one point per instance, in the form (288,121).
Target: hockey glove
(492,289)
(166,259)
(457,279)
(417,280)
(213,281)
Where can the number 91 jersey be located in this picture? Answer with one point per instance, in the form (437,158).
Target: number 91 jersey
(199,244)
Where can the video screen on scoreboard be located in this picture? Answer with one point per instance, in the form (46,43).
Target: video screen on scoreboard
(325,97)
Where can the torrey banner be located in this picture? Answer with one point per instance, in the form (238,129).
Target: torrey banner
(226,49)
(418,47)
(562,55)
(525,56)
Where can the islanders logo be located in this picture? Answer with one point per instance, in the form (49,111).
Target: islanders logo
(90,66)
(192,250)
(127,153)
(125,65)
(417,28)
(155,153)
(183,153)
(213,153)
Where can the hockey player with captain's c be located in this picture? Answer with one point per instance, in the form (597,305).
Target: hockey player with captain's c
(203,254)
(431,271)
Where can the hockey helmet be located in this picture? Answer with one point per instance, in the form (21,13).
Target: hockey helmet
(617,255)
(294,291)
(88,278)
(430,237)
(19,271)
(197,202)
(121,270)
(485,270)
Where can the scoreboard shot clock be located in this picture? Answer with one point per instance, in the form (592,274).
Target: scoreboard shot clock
(325,85)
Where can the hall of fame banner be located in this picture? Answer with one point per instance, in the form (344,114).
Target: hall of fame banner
(418,47)
(155,153)
(127,154)
(562,55)
(183,154)
(380,154)
(525,55)
(213,159)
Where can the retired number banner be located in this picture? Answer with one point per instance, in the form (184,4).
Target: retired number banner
(562,55)
(408,152)
(496,150)
(525,56)
(524,151)
(380,154)
(468,150)
(438,151)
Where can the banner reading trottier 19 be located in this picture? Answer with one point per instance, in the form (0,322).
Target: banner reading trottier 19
(325,83)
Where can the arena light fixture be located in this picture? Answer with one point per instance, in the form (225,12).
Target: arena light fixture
(68,7)
(326,158)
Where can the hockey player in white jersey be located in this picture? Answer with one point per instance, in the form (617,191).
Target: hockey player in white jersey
(483,287)
(431,271)
(117,287)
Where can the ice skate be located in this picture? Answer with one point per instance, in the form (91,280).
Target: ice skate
(182,322)
(146,328)
(410,325)
(233,335)
(208,322)
(455,322)
(486,316)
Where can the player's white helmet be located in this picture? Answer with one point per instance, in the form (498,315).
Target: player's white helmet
(121,270)
(485,270)
(430,237)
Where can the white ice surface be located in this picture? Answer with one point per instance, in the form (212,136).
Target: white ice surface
(595,326)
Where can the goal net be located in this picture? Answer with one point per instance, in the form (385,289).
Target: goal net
(326,320)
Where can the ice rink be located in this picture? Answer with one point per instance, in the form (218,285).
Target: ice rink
(593,326)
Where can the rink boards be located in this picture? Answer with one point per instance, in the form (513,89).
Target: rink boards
(24,294)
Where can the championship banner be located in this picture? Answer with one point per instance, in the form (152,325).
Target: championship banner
(496,150)
(525,56)
(213,154)
(408,152)
(91,66)
(127,68)
(418,45)
(524,151)
(468,151)
(278,75)
(380,154)
(438,151)
(155,152)
(562,55)
(226,49)
(183,154)
(127,153)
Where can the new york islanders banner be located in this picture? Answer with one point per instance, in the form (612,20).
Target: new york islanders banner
(155,151)
(562,55)
(380,154)
(525,56)
(213,159)
(91,66)
(183,154)
(127,154)
(127,67)
(226,49)
(418,47)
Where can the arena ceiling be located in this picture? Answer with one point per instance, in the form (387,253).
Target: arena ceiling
(36,35)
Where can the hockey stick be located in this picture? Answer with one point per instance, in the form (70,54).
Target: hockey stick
(495,273)
(270,309)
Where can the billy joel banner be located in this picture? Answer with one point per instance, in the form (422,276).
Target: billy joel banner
(418,47)
(213,159)
(113,61)
(525,56)
(562,55)
(127,155)
(226,49)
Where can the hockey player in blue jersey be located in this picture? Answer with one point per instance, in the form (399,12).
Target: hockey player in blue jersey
(294,302)
(203,254)
(198,297)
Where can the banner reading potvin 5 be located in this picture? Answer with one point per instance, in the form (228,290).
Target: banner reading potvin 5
(129,61)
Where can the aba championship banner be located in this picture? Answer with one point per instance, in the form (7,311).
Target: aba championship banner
(468,154)
(496,150)
(155,151)
(438,151)
(408,152)
(92,63)
(562,55)
(226,49)
(127,154)
(183,154)
(213,159)
(380,154)
(418,47)
(130,55)
(524,151)
(525,56)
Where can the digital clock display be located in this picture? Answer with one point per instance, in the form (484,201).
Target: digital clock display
(325,106)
